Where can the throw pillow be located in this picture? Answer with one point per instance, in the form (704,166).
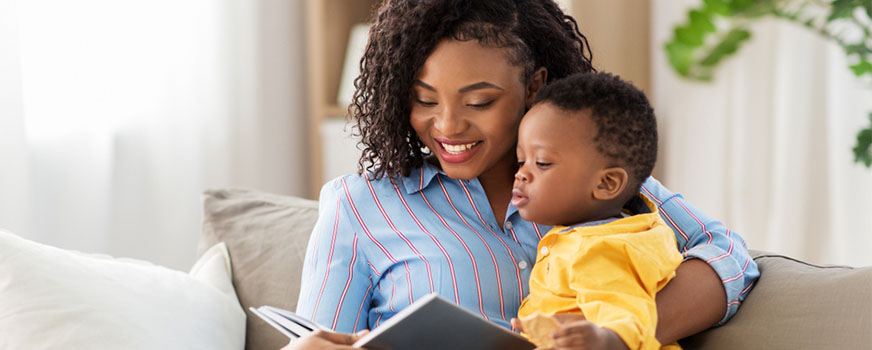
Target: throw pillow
(52,298)
(266,235)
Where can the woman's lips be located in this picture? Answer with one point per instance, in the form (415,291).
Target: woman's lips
(456,152)
(519,199)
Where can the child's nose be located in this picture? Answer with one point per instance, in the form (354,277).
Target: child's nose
(521,176)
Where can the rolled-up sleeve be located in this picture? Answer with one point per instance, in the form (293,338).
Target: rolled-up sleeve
(335,282)
(699,236)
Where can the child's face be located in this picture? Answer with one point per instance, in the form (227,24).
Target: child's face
(559,167)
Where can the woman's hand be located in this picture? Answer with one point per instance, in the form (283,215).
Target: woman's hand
(325,340)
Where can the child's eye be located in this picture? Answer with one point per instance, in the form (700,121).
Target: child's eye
(520,163)
(543,165)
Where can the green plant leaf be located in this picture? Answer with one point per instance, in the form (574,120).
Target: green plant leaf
(680,57)
(841,9)
(861,68)
(738,6)
(726,47)
(717,6)
(689,36)
(701,21)
(863,149)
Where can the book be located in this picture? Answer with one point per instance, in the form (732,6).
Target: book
(429,323)
(289,323)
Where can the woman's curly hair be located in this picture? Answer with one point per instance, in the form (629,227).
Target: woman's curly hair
(537,32)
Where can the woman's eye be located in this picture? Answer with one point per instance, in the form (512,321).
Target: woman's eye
(480,105)
(425,103)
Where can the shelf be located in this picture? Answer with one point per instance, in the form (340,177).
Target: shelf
(328,26)
(335,112)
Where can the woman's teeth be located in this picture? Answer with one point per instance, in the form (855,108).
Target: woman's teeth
(458,149)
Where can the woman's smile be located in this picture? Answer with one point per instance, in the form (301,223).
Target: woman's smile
(456,151)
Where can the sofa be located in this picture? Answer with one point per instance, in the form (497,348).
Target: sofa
(794,305)
(251,253)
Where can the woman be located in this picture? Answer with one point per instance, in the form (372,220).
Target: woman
(443,87)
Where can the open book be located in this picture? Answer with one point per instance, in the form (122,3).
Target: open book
(429,323)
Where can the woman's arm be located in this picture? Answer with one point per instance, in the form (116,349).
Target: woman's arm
(691,302)
(334,291)
(717,274)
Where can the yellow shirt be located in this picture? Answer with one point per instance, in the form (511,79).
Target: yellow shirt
(610,273)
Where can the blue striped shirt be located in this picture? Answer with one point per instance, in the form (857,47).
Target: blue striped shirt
(381,244)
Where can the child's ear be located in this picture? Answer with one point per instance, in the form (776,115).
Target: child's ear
(537,81)
(612,183)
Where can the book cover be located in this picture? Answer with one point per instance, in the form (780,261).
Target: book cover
(429,323)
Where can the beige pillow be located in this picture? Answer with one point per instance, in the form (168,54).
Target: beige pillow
(52,298)
(266,235)
(796,305)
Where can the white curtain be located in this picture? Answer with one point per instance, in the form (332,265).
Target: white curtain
(767,146)
(115,115)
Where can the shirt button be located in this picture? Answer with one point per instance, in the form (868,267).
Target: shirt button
(544,250)
(522,264)
(508,225)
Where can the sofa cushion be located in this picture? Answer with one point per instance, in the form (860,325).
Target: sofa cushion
(796,305)
(52,298)
(266,235)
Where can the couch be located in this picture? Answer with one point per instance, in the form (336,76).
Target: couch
(794,305)
(251,251)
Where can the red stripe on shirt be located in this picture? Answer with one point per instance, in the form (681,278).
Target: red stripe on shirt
(666,215)
(471,257)
(536,228)
(698,221)
(363,225)
(512,256)
(403,237)
(432,237)
(724,255)
(347,282)
(736,277)
(329,261)
(362,303)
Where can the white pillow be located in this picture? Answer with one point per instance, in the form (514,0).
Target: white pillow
(52,298)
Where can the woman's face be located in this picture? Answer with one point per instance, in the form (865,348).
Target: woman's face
(468,101)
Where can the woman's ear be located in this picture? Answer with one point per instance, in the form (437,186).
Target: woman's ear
(537,81)
(612,183)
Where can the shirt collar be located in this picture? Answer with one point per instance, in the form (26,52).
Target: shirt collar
(420,178)
(640,206)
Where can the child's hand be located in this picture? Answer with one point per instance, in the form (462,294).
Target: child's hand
(584,335)
(516,324)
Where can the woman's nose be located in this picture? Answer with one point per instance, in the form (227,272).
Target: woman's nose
(450,122)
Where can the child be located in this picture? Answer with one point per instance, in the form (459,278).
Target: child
(584,150)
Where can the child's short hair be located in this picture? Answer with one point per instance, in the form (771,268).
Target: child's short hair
(626,127)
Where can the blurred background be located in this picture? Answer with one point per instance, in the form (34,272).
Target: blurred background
(116,114)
